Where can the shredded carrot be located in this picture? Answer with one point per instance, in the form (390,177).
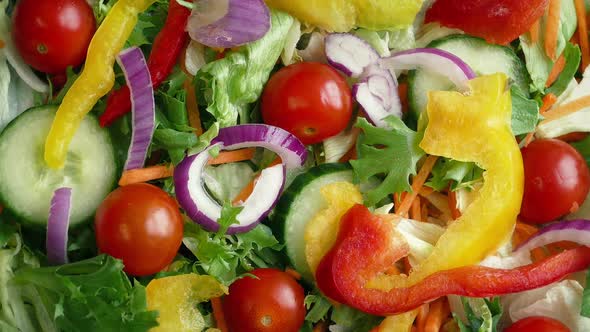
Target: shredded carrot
(146,174)
(2,44)
(529,138)
(397,200)
(225,157)
(293,273)
(417,183)
(567,109)
(403,96)
(552,28)
(524,231)
(534,31)
(455,213)
(575,207)
(350,155)
(425,191)
(556,70)
(439,310)
(1,209)
(548,101)
(218,314)
(320,327)
(583,31)
(192,107)
(416,210)
(425,211)
(407,265)
(423,311)
(572,137)
(249,188)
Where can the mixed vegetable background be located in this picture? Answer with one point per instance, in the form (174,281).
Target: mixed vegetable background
(280,165)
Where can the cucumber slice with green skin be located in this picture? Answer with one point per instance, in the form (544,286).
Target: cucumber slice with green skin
(27,183)
(299,204)
(482,57)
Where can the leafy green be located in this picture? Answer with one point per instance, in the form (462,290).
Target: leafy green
(572,55)
(318,307)
(392,153)
(456,173)
(226,181)
(229,214)
(583,148)
(354,320)
(585,311)
(482,315)
(383,41)
(537,62)
(227,86)
(525,112)
(227,257)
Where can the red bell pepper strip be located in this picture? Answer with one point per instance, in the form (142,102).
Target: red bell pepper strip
(165,53)
(368,245)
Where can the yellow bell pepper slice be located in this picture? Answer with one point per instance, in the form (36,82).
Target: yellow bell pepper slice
(175,299)
(96,80)
(344,15)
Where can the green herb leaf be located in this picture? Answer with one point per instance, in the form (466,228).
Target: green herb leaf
(318,307)
(456,173)
(392,153)
(586,297)
(354,320)
(583,148)
(228,217)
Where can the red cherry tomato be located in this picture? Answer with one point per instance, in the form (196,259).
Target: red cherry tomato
(310,100)
(141,225)
(51,35)
(556,180)
(271,303)
(537,324)
(498,21)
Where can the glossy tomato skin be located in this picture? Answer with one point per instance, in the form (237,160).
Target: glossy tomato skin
(311,100)
(271,303)
(497,21)
(556,180)
(51,35)
(141,225)
(537,324)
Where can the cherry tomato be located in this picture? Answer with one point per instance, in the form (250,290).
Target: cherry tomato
(311,100)
(537,324)
(556,180)
(271,303)
(141,225)
(499,21)
(51,35)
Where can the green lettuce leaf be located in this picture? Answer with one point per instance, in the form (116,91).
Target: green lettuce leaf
(386,40)
(483,315)
(456,173)
(572,55)
(525,113)
(228,86)
(585,311)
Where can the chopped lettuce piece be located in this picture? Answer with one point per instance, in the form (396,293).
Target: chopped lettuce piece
(456,173)
(228,86)
(481,315)
(585,311)
(385,41)
(525,113)
(421,237)
(290,54)
(337,146)
(433,31)
(314,51)
(226,181)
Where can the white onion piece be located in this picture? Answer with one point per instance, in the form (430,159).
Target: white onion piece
(143,107)
(57,226)
(228,23)
(377,93)
(22,69)
(434,60)
(573,230)
(349,53)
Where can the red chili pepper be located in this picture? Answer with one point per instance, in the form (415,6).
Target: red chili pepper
(366,247)
(165,52)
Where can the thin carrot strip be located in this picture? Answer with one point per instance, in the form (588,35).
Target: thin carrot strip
(583,31)
(529,138)
(524,231)
(146,174)
(225,157)
(566,109)
(548,101)
(418,182)
(249,188)
(2,44)
(218,314)
(573,137)
(350,155)
(192,107)
(552,28)
(452,198)
(416,210)
(397,200)
(535,30)
(320,327)
(423,311)
(407,265)
(296,275)
(402,90)
(439,310)
(425,211)
(425,191)
(555,70)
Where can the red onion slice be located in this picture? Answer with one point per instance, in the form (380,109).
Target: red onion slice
(143,113)
(204,210)
(349,53)
(434,60)
(228,23)
(57,226)
(377,93)
(575,231)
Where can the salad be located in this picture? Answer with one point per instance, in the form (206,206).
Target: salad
(281,165)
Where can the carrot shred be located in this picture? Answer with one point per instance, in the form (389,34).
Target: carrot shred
(423,312)
(192,107)
(566,109)
(583,31)
(2,44)
(296,275)
(548,101)
(218,314)
(425,191)
(397,200)
(452,199)
(575,207)
(402,90)
(523,232)
(320,327)
(146,174)
(350,155)
(534,31)
(529,138)
(573,137)
(249,188)
(439,310)
(555,70)
(552,28)
(418,182)
(225,157)
(416,210)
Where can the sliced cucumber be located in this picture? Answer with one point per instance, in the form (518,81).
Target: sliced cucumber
(27,184)
(299,204)
(482,57)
